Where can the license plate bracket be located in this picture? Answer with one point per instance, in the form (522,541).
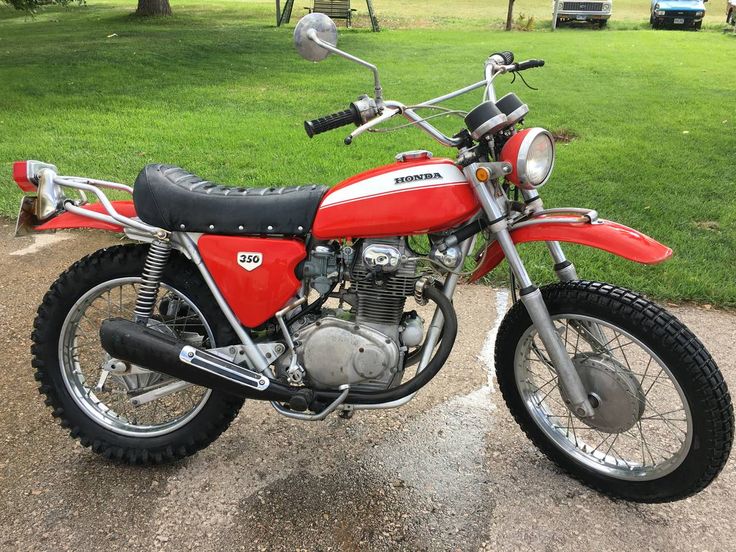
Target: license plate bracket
(26,216)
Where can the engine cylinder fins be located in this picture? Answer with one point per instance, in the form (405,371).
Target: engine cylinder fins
(382,295)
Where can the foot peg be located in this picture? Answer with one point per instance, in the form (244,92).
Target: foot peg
(302,400)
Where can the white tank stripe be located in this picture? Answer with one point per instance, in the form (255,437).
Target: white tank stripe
(399,191)
(385,184)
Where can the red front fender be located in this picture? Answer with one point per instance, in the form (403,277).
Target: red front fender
(602,234)
(71,220)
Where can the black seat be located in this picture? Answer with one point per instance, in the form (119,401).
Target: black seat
(171,198)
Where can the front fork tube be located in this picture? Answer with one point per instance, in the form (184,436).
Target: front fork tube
(566,272)
(532,299)
(564,269)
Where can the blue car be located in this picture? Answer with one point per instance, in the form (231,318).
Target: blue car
(686,14)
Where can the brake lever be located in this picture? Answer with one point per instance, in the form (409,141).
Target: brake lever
(388,112)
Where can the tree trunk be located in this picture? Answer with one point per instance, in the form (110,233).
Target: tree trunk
(153,7)
(509,16)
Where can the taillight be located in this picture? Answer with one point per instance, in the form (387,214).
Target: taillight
(23,176)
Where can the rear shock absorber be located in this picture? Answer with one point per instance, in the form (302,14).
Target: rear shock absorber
(153,269)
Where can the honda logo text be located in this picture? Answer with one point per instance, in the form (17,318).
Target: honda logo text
(416,177)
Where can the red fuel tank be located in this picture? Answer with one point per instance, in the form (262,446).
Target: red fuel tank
(401,199)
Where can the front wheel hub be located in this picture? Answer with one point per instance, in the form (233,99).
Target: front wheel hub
(613,390)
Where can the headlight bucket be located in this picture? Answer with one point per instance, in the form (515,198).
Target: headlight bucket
(531,153)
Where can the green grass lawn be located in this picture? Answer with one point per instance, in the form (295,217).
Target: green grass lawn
(220,91)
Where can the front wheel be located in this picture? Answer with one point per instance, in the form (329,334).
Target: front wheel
(663,422)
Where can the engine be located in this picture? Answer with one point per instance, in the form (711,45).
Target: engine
(363,341)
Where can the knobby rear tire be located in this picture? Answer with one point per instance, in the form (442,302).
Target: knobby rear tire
(682,352)
(104,265)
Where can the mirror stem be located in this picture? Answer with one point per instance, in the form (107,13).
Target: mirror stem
(312,35)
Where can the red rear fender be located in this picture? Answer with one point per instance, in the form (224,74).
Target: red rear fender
(603,234)
(71,220)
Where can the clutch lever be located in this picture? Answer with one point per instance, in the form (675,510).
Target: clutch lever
(388,112)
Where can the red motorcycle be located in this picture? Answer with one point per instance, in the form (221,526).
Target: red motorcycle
(298,295)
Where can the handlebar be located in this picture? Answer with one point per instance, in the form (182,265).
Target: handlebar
(528,64)
(332,121)
(365,119)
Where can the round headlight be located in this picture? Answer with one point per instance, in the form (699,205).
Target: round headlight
(606,7)
(531,152)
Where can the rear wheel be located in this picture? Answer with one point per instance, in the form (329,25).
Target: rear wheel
(98,405)
(663,423)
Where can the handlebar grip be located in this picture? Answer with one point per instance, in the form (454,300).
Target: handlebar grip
(508,57)
(529,64)
(332,121)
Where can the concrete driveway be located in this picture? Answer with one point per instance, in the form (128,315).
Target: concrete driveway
(451,471)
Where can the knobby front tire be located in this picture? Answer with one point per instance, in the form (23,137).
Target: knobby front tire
(697,433)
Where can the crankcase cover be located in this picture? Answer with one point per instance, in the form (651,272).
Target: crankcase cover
(334,352)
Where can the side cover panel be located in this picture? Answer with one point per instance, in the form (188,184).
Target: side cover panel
(405,198)
(255,275)
(604,234)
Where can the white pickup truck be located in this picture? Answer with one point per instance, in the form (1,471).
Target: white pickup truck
(596,12)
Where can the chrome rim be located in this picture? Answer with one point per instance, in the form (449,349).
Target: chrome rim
(658,431)
(81,358)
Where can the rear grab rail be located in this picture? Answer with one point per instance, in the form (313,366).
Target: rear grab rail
(94,187)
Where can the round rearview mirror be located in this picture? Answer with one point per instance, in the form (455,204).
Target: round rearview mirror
(324,29)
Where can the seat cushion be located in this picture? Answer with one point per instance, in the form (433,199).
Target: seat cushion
(171,198)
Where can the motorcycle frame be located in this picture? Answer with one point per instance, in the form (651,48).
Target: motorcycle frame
(108,217)
(494,205)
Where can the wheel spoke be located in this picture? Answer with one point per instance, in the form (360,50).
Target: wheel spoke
(107,396)
(655,438)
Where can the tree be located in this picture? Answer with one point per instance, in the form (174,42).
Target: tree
(153,7)
(510,16)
